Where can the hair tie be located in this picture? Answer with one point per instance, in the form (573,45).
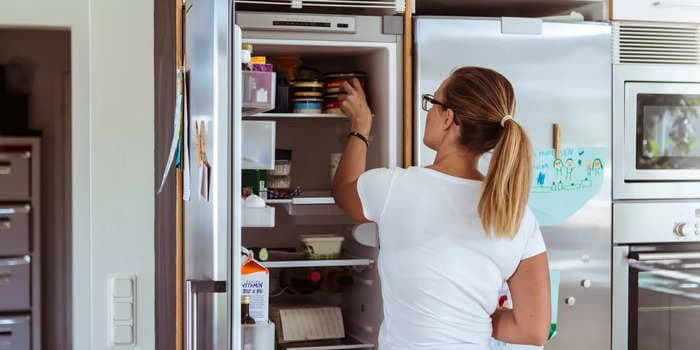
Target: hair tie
(505,119)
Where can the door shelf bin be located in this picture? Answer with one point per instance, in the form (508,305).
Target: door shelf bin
(259,217)
(258,336)
(258,145)
(258,92)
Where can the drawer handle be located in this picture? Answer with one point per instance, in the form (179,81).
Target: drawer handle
(5,279)
(5,168)
(5,333)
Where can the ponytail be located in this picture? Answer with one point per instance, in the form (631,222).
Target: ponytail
(483,102)
(506,188)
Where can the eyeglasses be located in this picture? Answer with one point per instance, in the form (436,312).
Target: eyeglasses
(429,100)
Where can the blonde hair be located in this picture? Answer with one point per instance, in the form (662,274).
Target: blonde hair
(480,99)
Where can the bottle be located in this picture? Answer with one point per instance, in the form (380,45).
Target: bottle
(245,311)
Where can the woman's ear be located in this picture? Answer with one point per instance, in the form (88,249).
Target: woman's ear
(449,119)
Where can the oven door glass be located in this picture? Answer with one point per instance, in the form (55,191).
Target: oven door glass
(663,124)
(664,304)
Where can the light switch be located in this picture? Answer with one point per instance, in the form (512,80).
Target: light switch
(122,312)
(122,335)
(122,288)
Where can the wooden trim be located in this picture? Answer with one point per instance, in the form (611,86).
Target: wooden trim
(408,85)
(165,250)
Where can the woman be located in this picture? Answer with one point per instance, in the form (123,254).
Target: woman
(450,236)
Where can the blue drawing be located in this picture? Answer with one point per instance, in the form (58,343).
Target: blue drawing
(540,179)
(569,168)
(561,188)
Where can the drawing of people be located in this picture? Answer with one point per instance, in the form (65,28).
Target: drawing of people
(569,168)
(558,167)
(597,167)
(588,170)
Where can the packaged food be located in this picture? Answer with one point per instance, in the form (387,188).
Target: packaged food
(333,82)
(255,283)
(307,105)
(302,89)
(280,182)
(331,104)
(283,163)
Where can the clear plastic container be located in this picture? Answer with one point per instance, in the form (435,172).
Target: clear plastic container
(258,91)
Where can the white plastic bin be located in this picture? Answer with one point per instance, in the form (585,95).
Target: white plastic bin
(258,336)
(258,92)
(258,145)
(259,217)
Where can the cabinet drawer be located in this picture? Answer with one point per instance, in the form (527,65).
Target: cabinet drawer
(15,332)
(685,11)
(14,229)
(15,173)
(15,277)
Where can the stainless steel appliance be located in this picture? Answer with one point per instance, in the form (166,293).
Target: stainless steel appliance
(561,74)
(656,111)
(656,275)
(215,228)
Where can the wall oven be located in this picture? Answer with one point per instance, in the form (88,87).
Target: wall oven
(656,275)
(656,111)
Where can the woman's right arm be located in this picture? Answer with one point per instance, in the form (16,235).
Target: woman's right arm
(528,322)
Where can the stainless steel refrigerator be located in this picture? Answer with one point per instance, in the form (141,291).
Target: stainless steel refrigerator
(561,73)
(233,107)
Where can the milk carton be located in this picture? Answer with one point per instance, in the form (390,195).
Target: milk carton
(255,283)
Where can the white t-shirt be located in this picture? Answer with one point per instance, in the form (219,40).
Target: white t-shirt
(440,273)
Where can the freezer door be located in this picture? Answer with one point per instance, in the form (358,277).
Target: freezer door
(213,224)
(560,75)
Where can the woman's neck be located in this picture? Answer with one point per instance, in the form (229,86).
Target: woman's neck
(458,163)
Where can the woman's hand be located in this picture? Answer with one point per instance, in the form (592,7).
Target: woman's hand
(354,104)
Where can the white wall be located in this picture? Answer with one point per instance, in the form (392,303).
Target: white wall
(48,54)
(112,152)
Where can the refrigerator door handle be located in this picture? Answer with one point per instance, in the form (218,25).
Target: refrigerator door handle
(192,289)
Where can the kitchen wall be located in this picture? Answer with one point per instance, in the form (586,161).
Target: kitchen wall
(47,54)
(112,153)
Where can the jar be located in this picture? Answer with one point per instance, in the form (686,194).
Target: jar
(307,105)
(283,163)
(333,82)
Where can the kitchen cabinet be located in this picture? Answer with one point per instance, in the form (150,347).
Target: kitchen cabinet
(684,11)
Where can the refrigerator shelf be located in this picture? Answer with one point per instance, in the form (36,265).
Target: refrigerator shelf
(329,345)
(296,116)
(313,204)
(317,263)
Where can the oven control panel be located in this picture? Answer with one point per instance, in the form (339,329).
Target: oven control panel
(656,221)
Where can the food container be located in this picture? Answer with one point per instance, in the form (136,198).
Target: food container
(331,104)
(307,105)
(283,163)
(311,89)
(333,82)
(279,182)
(322,246)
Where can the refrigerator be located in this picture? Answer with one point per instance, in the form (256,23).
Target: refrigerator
(234,119)
(561,74)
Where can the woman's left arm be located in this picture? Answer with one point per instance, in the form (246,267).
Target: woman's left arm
(353,162)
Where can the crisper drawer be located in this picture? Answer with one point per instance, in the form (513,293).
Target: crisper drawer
(14,229)
(15,173)
(685,11)
(15,278)
(15,332)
